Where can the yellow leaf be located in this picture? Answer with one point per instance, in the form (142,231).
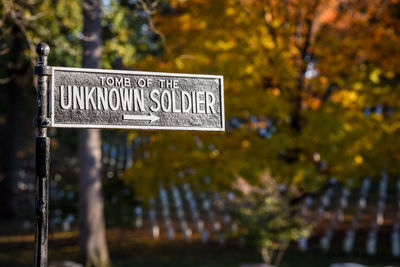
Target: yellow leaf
(374,76)
(358,160)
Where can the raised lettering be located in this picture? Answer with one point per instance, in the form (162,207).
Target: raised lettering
(69,97)
(194,102)
(89,97)
(119,81)
(175,109)
(186,97)
(141,83)
(166,101)
(102,98)
(139,99)
(78,97)
(176,84)
(127,82)
(200,104)
(114,104)
(210,102)
(102,80)
(126,98)
(110,81)
(154,94)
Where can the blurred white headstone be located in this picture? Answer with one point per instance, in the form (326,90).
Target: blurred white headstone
(155,231)
(152,215)
(165,212)
(303,244)
(138,211)
(66,226)
(321,210)
(180,213)
(138,222)
(308,201)
(340,215)
(395,238)
(234,227)
(379,218)
(188,233)
(325,200)
(216,226)
(206,204)
(324,243)
(227,219)
(170,233)
(184,225)
(200,225)
(195,214)
(231,196)
(204,236)
(348,242)
(139,218)
(371,243)
(168,222)
(362,203)
(382,189)
(381,204)
(343,202)
(365,187)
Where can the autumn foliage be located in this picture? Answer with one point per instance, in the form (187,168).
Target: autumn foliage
(311,91)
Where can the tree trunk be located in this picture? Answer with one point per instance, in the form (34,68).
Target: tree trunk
(12,132)
(93,243)
(92,227)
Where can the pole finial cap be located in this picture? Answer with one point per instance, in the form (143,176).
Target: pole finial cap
(43,49)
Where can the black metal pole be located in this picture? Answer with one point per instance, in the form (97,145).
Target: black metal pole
(42,159)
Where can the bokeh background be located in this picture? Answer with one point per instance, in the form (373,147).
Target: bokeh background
(306,174)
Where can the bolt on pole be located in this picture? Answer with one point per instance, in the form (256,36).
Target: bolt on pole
(42,159)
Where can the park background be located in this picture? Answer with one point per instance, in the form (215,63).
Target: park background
(309,160)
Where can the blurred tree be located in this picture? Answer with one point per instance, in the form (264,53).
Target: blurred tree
(59,23)
(22,24)
(15,74)
(299,79)
(311,92)
(92,232)
(266,218)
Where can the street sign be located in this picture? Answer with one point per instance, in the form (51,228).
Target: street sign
(95,98)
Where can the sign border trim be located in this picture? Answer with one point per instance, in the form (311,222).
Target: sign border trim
(135,127)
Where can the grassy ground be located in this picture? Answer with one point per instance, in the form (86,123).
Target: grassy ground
(129,248)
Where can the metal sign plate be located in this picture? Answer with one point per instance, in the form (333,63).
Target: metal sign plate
(95,98)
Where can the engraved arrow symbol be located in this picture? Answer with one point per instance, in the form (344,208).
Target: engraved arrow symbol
(151,117)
